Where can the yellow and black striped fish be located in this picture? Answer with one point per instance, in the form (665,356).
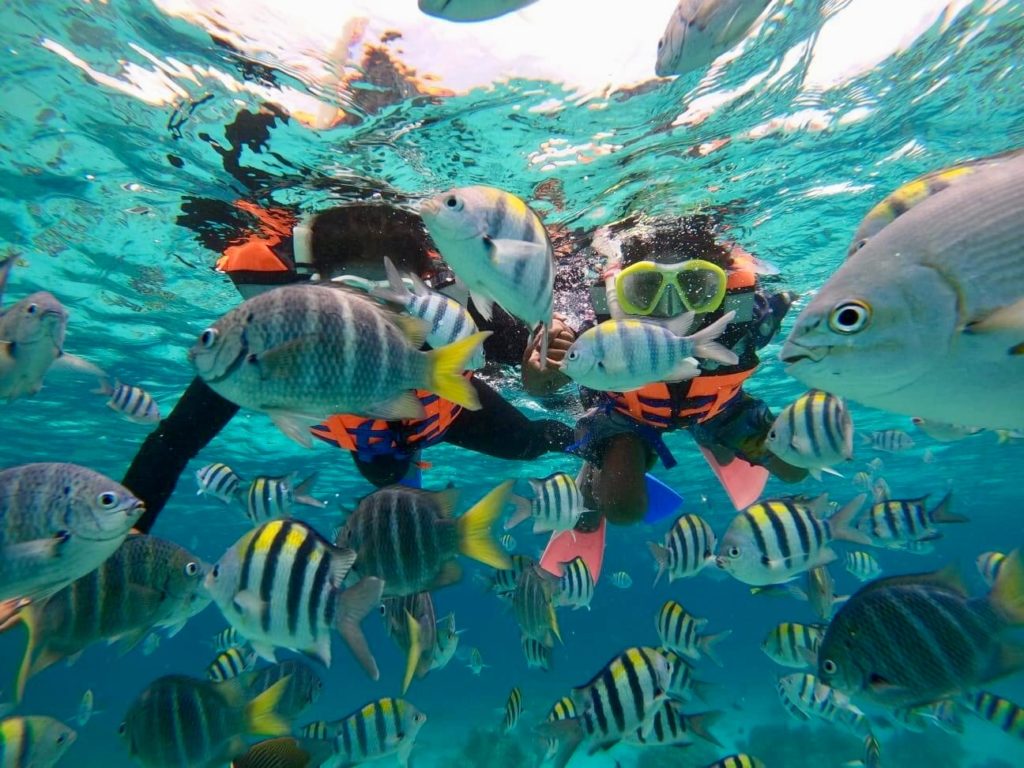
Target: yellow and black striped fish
(533,605)
(896,522)
(793,645)
(1002,713)
(228,638)
(381,728)
(863,565)
(576,585)
(804,692)
(556,504)
(563,709)
(230,664)
(513,709)
(679,632)
(814,432)
(27,742)
(280,585)
(538,655)
(504,580)
(218,480)
(689,546)
(740,760)
(303,685)
(989,564)
(284,752)
(268,498)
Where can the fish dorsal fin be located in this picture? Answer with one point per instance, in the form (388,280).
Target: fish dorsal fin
(1006,318)
(819,506)
(446,501)
(946,578)
(419,288)
(395,279)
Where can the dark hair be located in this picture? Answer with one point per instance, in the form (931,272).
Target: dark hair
(367,232)
(669,239)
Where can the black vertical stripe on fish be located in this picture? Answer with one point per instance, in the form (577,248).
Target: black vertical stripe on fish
(316,594)
(378,717)
(396,717)
(762,545)
(597,707)
(800,523)
(890,517)
(346,736)
(361,736)
(270,565)
(781,537)
(297,579)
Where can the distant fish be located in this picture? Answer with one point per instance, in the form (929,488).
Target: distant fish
(134,403)
(689,546)
(513,709)
(989,564)
(230,664)
(944,433)
(284,752)
(507,542)
(815,432)
(85,708)
(1002,713)
(556,504)
(447,642)
(476,662)
(821,592)
(701,30)
(862,480)
(740,760)
(815,699)
(863,565)
(576,585)
(622,580)
(150,644)
(270,498)
(888,440)
(380,729)
(678,631)
(793,645)
(876,464)
(896,522)
(538,655)
(218,480)
(227,638)
(503,580)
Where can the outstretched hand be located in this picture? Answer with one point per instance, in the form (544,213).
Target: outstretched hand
(538,381)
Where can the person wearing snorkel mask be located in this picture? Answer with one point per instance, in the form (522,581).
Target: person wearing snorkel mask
(658,270)
(348,243)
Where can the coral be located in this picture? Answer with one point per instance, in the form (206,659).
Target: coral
(496,750)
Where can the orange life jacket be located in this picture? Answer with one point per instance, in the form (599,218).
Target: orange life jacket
(255,252)
(372,438)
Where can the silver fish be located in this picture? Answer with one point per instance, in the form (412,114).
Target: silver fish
(701,30)
(134,403)
(815,432)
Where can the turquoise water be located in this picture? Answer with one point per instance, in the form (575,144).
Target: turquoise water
(112,116)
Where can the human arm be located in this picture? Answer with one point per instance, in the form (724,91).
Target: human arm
(538,381)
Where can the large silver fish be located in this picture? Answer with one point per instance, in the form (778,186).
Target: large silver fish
(300,353)
(701,30)
(471,10)
(57,523)
(927,319)
(32,341)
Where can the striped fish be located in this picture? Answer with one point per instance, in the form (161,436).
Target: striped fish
(228,638)
(894,523)
(513,709)
(218,480)
(793,645)
(230,664)
(280,585)
(270,498)
(821,593)
(863,565)
(33,742)
(989,564)
(689,546)
(556,504)
(622,697)
(508,543)
(815,432)
(303,685)
(284,752)
(134,403)
(181,721)
(447,642)
(678,631)
(862,480)
(681,683)
(670,727)
(623,355)
(533,605)
(1002,713)
(476,661)
(816,700)
(499,248)
(772,541)
(563,709)
(411,622)
(621,580)
(740,760)
(382,728)
(300,353)
(576,585)
(147,583)
(409,538)
(538,655)
(888,440)
(447,320)
(504,580)
(946,716)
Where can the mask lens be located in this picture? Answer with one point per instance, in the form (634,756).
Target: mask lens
(641,289)
(699,289)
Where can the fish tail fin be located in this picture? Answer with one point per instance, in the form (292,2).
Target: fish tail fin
(524,509)
(705,346)
(567,733)
(842,523)
(353,605)
(261,715)
(660,554)
(25,669)
(701,724)
(941,513)
(415,650)
(302,492)
(474,528)
(445,368)
(1007,595)
(708,642)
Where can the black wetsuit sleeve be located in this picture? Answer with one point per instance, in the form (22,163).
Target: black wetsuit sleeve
(197,418)
(508,341)
(499,429)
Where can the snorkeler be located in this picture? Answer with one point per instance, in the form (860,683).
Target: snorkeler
(351,240)
(659,270)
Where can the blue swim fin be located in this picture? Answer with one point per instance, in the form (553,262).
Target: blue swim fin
(662,501)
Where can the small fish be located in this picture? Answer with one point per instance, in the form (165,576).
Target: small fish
(150,644)
(556,504)
(476,662)
(218,480)
(701,30)
(85,708)
(302,685)
(228,638)
(563,709)
(270,498)
(814,699)
(739,760)
(507,542)
(821,593)
(863,565)
(411,622)
(513,709)
(623,355)
(280,585)
(880,490)
(499,248)
(284,752)
(447,642)
(471,10)
(447,320)
(862,480)
(533,605)
(671,727)
(989,564)
(538,655)
(906,641)
(504,580)
(134,403)
(888,440)
(1002,713)
(300,353)
(944,433)
(773,541)
(380,729)
(410,538)
(33,742)
(689,546)
(58,522)
(681,683)
(230,664)
(947,717)
(622,580)
(793,645)
(678,631)
(576,585)
(895,522)
(1004,436)
(876,464)
(872,754)
(178,720)
(815,432)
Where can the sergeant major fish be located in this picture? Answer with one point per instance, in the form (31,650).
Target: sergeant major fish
(33,742)
(218,480)
(810,696)
(896,522)
(989,564)
(739,760)
(575,585)
(815,432)
(678,631)
(689,546)
(556,504)
(134,403)
(269,498)
(793,645)
(888,440)
(513,709)
(538,655)
(863,565)
(380,729)
(230,664)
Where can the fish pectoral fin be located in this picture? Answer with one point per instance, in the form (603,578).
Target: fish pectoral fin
(294,425)
(281,362)
(249,604)
(484,304)
(37,549)
(403,406)
(76,364)
(1007,318)
(510,252)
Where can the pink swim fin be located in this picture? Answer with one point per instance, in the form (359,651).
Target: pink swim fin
(564,546)
(743,481)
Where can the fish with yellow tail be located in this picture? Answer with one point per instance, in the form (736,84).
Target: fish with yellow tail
(410,621)
(301,353)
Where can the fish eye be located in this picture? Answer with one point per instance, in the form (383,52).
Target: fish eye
(573,355)
(860,244)
(208,337)
(215,572)
(773,435)
(191,568)
(661,43)
(122,729)
(734,551)
(453,202)
(32,309)
(850,317)
(107,499)
(62,738)
(829,667)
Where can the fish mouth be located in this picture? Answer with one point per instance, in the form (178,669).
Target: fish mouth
(720,562)
(793,353)
(430,207)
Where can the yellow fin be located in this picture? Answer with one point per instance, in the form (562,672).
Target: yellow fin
(445,367)
(415,650)
(261,716)
(475,539)
(1007,595)
(413,328)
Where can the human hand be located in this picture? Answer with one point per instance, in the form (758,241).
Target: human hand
(544,381)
